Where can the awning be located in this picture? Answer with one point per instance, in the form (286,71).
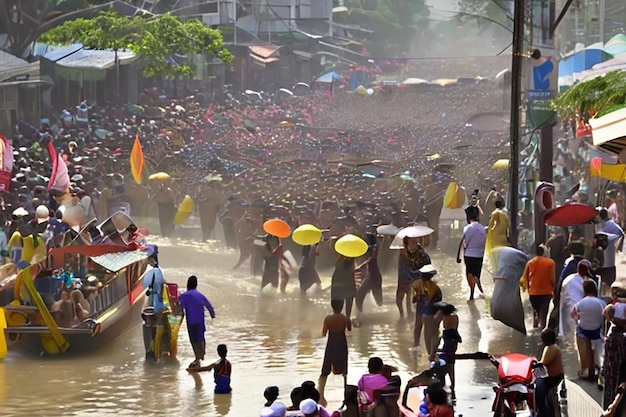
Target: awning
(609,131)
(31,82)
(263,55)
(119,260)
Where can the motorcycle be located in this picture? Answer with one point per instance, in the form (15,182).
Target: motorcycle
(515,390)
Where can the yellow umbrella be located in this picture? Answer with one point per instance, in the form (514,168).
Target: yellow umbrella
(454,197)
(159,176)
(501,164)
(184,210)
(351,246)
(306,234)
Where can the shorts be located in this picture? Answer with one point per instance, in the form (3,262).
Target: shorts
(473,266)
(196,332)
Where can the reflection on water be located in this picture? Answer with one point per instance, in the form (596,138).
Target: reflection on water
(273,339)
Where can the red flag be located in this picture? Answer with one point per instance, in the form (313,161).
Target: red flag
(136,160)
(59,178)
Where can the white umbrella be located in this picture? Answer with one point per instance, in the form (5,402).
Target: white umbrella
(411,231)
(388,229)
(414,231)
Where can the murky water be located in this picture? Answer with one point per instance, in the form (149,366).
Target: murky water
(273,339)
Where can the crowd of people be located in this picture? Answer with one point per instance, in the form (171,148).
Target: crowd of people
(360,153)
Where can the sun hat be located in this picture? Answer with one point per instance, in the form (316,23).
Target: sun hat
(308,406)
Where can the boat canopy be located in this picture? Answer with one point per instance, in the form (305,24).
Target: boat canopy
(119,260)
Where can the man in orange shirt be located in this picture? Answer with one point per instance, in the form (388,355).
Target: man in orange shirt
(539,276)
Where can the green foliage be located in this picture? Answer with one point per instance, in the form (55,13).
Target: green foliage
(154,39)
(599,95)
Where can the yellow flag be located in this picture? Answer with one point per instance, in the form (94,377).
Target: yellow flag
(136,160)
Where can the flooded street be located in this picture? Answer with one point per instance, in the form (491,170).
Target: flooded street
(273,339)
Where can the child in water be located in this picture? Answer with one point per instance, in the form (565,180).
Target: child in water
(221,371)
(445,313)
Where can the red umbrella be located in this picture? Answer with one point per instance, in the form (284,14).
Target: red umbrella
(570,214)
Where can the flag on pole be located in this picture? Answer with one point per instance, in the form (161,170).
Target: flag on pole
(136,160)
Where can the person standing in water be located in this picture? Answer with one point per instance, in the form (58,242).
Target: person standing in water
(307,274)
(194,303)
(336,353)
(373,278)
(342,286)
(412,257)
(272,254)
(426,294)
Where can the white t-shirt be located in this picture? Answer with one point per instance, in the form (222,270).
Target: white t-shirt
(590,310)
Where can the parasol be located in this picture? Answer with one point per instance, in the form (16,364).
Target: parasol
(277,227)
(388,229)
(159,176)
(501,164)
(570,214)
(411,231)
(351,246)
(307,234)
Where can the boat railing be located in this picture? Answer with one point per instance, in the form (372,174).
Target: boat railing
(110,294)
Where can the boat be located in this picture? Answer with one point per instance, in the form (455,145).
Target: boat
(108,275)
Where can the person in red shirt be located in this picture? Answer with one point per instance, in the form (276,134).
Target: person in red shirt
(540,277)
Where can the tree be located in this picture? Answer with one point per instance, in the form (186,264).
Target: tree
(596,97)
(24,20)
(155,39)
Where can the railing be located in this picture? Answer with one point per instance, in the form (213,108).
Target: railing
(110,294)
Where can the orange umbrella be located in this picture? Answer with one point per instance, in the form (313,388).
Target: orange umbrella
(277,227)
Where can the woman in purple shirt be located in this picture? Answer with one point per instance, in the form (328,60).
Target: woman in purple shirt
(194,303)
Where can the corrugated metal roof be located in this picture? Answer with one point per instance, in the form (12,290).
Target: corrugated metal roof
(55,52)
(95,59)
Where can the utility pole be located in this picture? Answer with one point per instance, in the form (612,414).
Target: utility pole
(516,90)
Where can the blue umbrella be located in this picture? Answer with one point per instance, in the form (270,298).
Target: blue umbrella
(329,77)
